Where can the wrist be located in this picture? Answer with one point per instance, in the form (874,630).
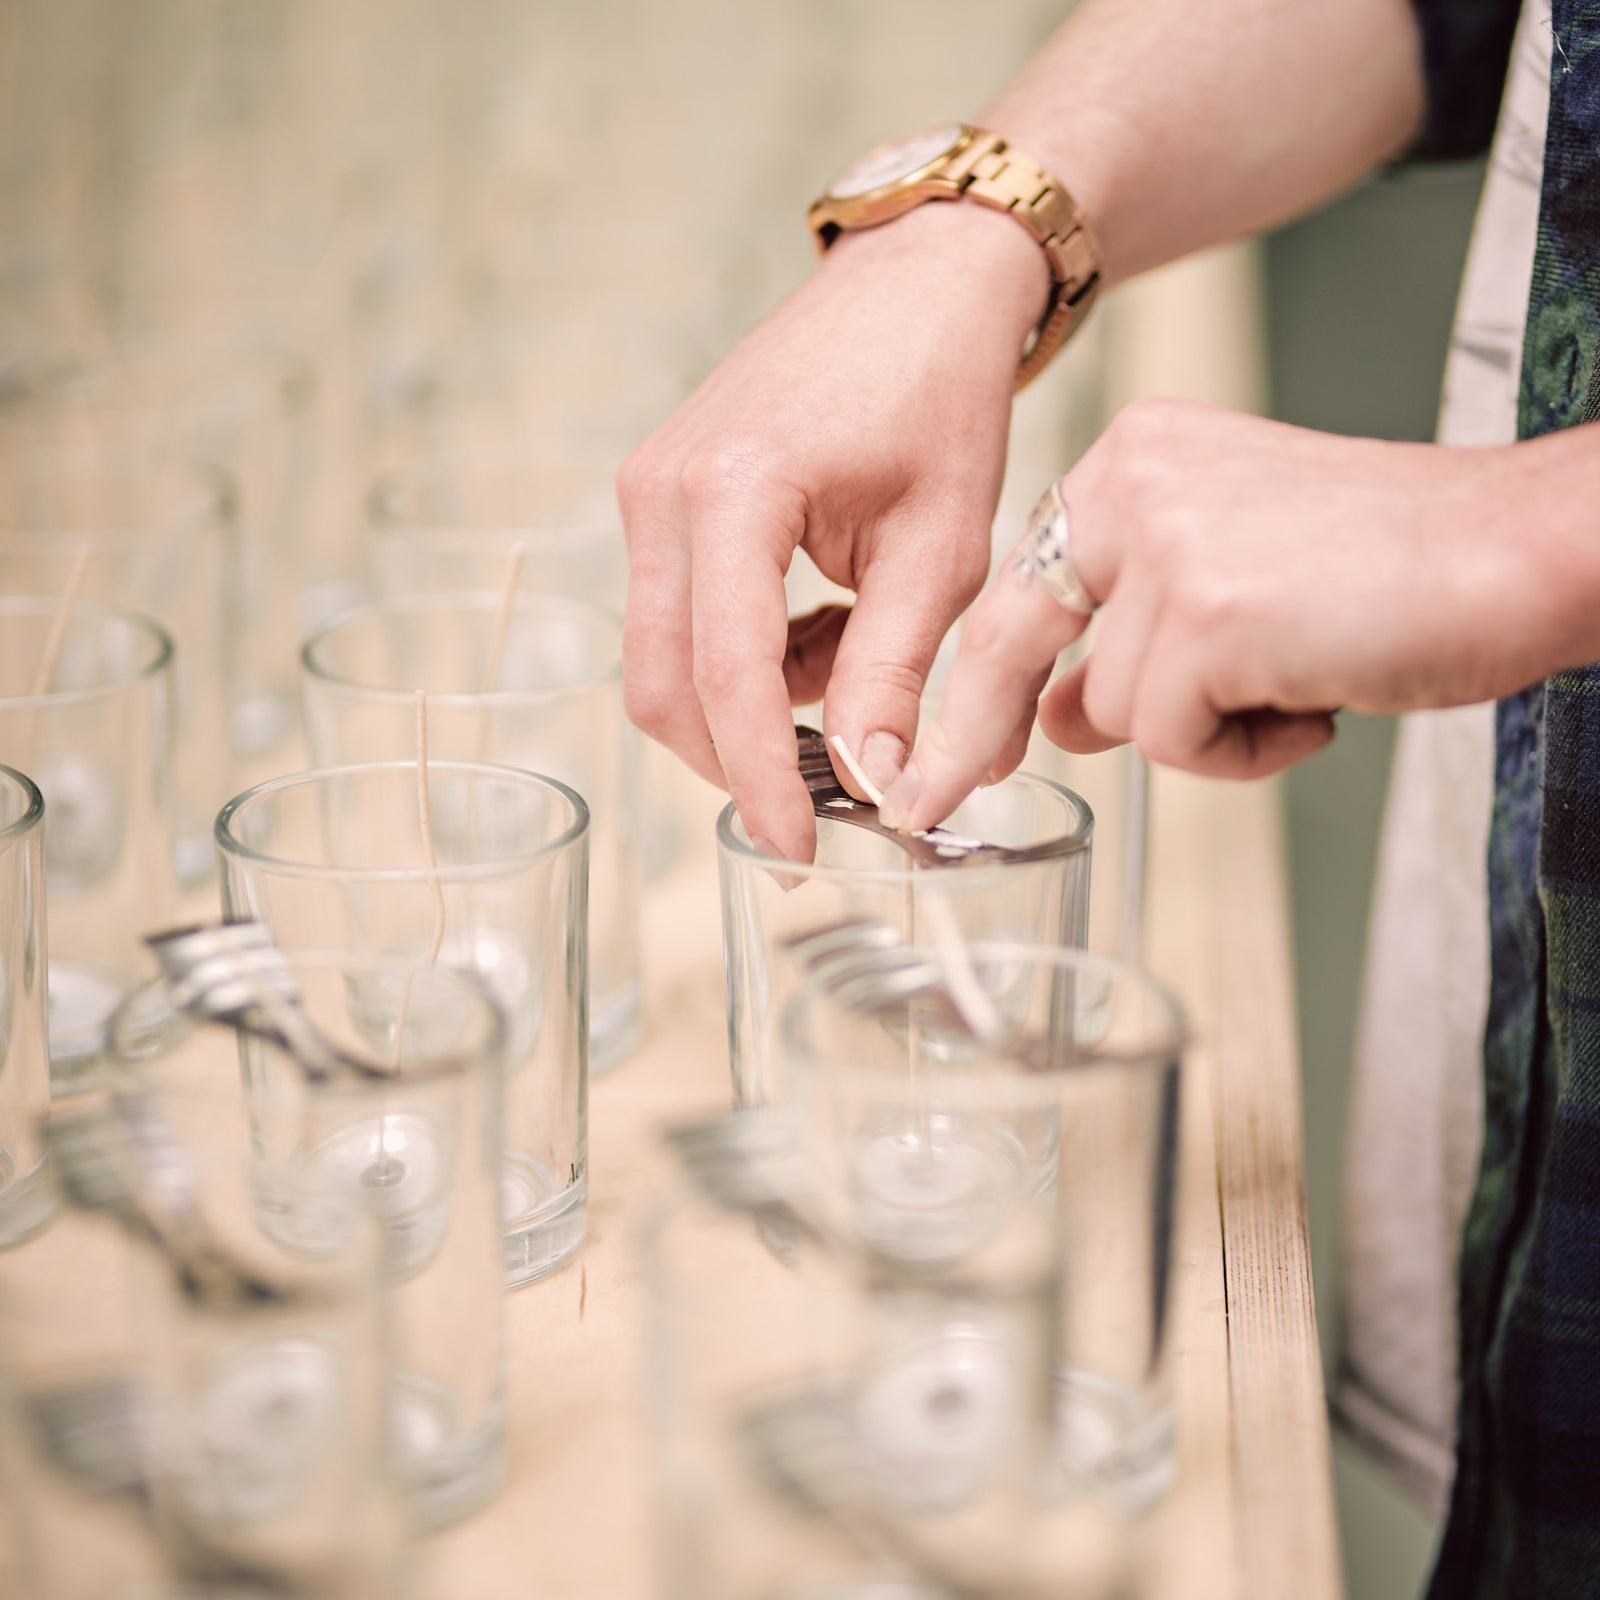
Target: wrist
(976,255)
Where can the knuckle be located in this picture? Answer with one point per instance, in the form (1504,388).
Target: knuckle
(1140,448)
(644,479)
(1208,602)
(1157,743)
(1102,705)
(712,472)
(718,673)
(966,571)
(989,637)
(889,677)
(649,704)
(1163,533)
(1153,420)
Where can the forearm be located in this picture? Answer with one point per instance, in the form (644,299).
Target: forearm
(1179,124)
(1540,570)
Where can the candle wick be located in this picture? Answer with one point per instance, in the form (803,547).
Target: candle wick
(492,664)
(53,641)
(495,658)
(856,771)
(425,821)
(431,859)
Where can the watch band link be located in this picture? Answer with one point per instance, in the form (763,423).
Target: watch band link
(993,174)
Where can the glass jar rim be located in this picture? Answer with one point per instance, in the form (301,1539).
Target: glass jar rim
(155,634)
(205,496)
(467,872)
(32,812)
(170,1026)
(487,600)
(1047,852)
(392,521)
(1025,1084)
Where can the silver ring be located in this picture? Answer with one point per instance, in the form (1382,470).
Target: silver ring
(1043,556)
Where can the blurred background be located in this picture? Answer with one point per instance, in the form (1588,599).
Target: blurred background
(316,242)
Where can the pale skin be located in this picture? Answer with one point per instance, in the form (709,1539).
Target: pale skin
(1253,578)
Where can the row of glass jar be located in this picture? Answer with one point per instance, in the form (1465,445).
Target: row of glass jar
(908,1318)
(99,736)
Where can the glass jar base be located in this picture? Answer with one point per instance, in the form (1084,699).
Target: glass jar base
(1109,1438)
(616,1027)
(544,1225)
(445,1472)
(27,1202)
(82,999)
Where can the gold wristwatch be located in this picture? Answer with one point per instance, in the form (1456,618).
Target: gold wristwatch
(956,162)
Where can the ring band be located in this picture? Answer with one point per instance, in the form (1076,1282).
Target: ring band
(1043,556)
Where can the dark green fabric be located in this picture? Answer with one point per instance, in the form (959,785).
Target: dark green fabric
(1524,1518)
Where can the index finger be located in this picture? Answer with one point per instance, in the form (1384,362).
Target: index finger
(741,631)
(1014,634)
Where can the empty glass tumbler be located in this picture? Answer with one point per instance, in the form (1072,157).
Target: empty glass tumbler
(27,1197)
(408,1117)
(470,517)
(859,875)
(451,519)
(937,1089)
(160,541)
(92,728)
(834,1423)
(262,1382)
(535,683)
(73,1417)
(338,860)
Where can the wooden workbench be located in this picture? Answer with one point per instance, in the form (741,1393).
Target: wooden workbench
(1251,1515)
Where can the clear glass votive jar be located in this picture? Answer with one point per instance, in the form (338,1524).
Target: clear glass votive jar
(555,708)
(72,1417)
(262,1381)
(97,743)
(1113,784)
(335,860)
(164,543)
(27,1196)
(927,1115)
(861,877)
(449,520)
(828,1424)
(179,405)
(411,1123)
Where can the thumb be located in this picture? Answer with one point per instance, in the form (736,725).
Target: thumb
(906,601)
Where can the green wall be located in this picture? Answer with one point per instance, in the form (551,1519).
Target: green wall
(1359,302)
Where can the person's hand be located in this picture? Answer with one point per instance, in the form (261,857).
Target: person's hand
(865,423)
(1253,579)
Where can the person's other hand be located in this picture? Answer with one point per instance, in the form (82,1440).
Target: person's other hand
(1253,579)
(865,423)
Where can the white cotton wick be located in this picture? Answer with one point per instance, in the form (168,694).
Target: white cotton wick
(960,976)
(853,767)
(502,617)
(494,657)
(431,859)
(54,637)
(58,623)
(425,821)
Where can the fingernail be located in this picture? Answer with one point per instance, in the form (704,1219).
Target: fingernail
(897,803)
(786,881)
(882,757)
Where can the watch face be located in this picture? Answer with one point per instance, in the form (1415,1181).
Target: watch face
(891,162)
